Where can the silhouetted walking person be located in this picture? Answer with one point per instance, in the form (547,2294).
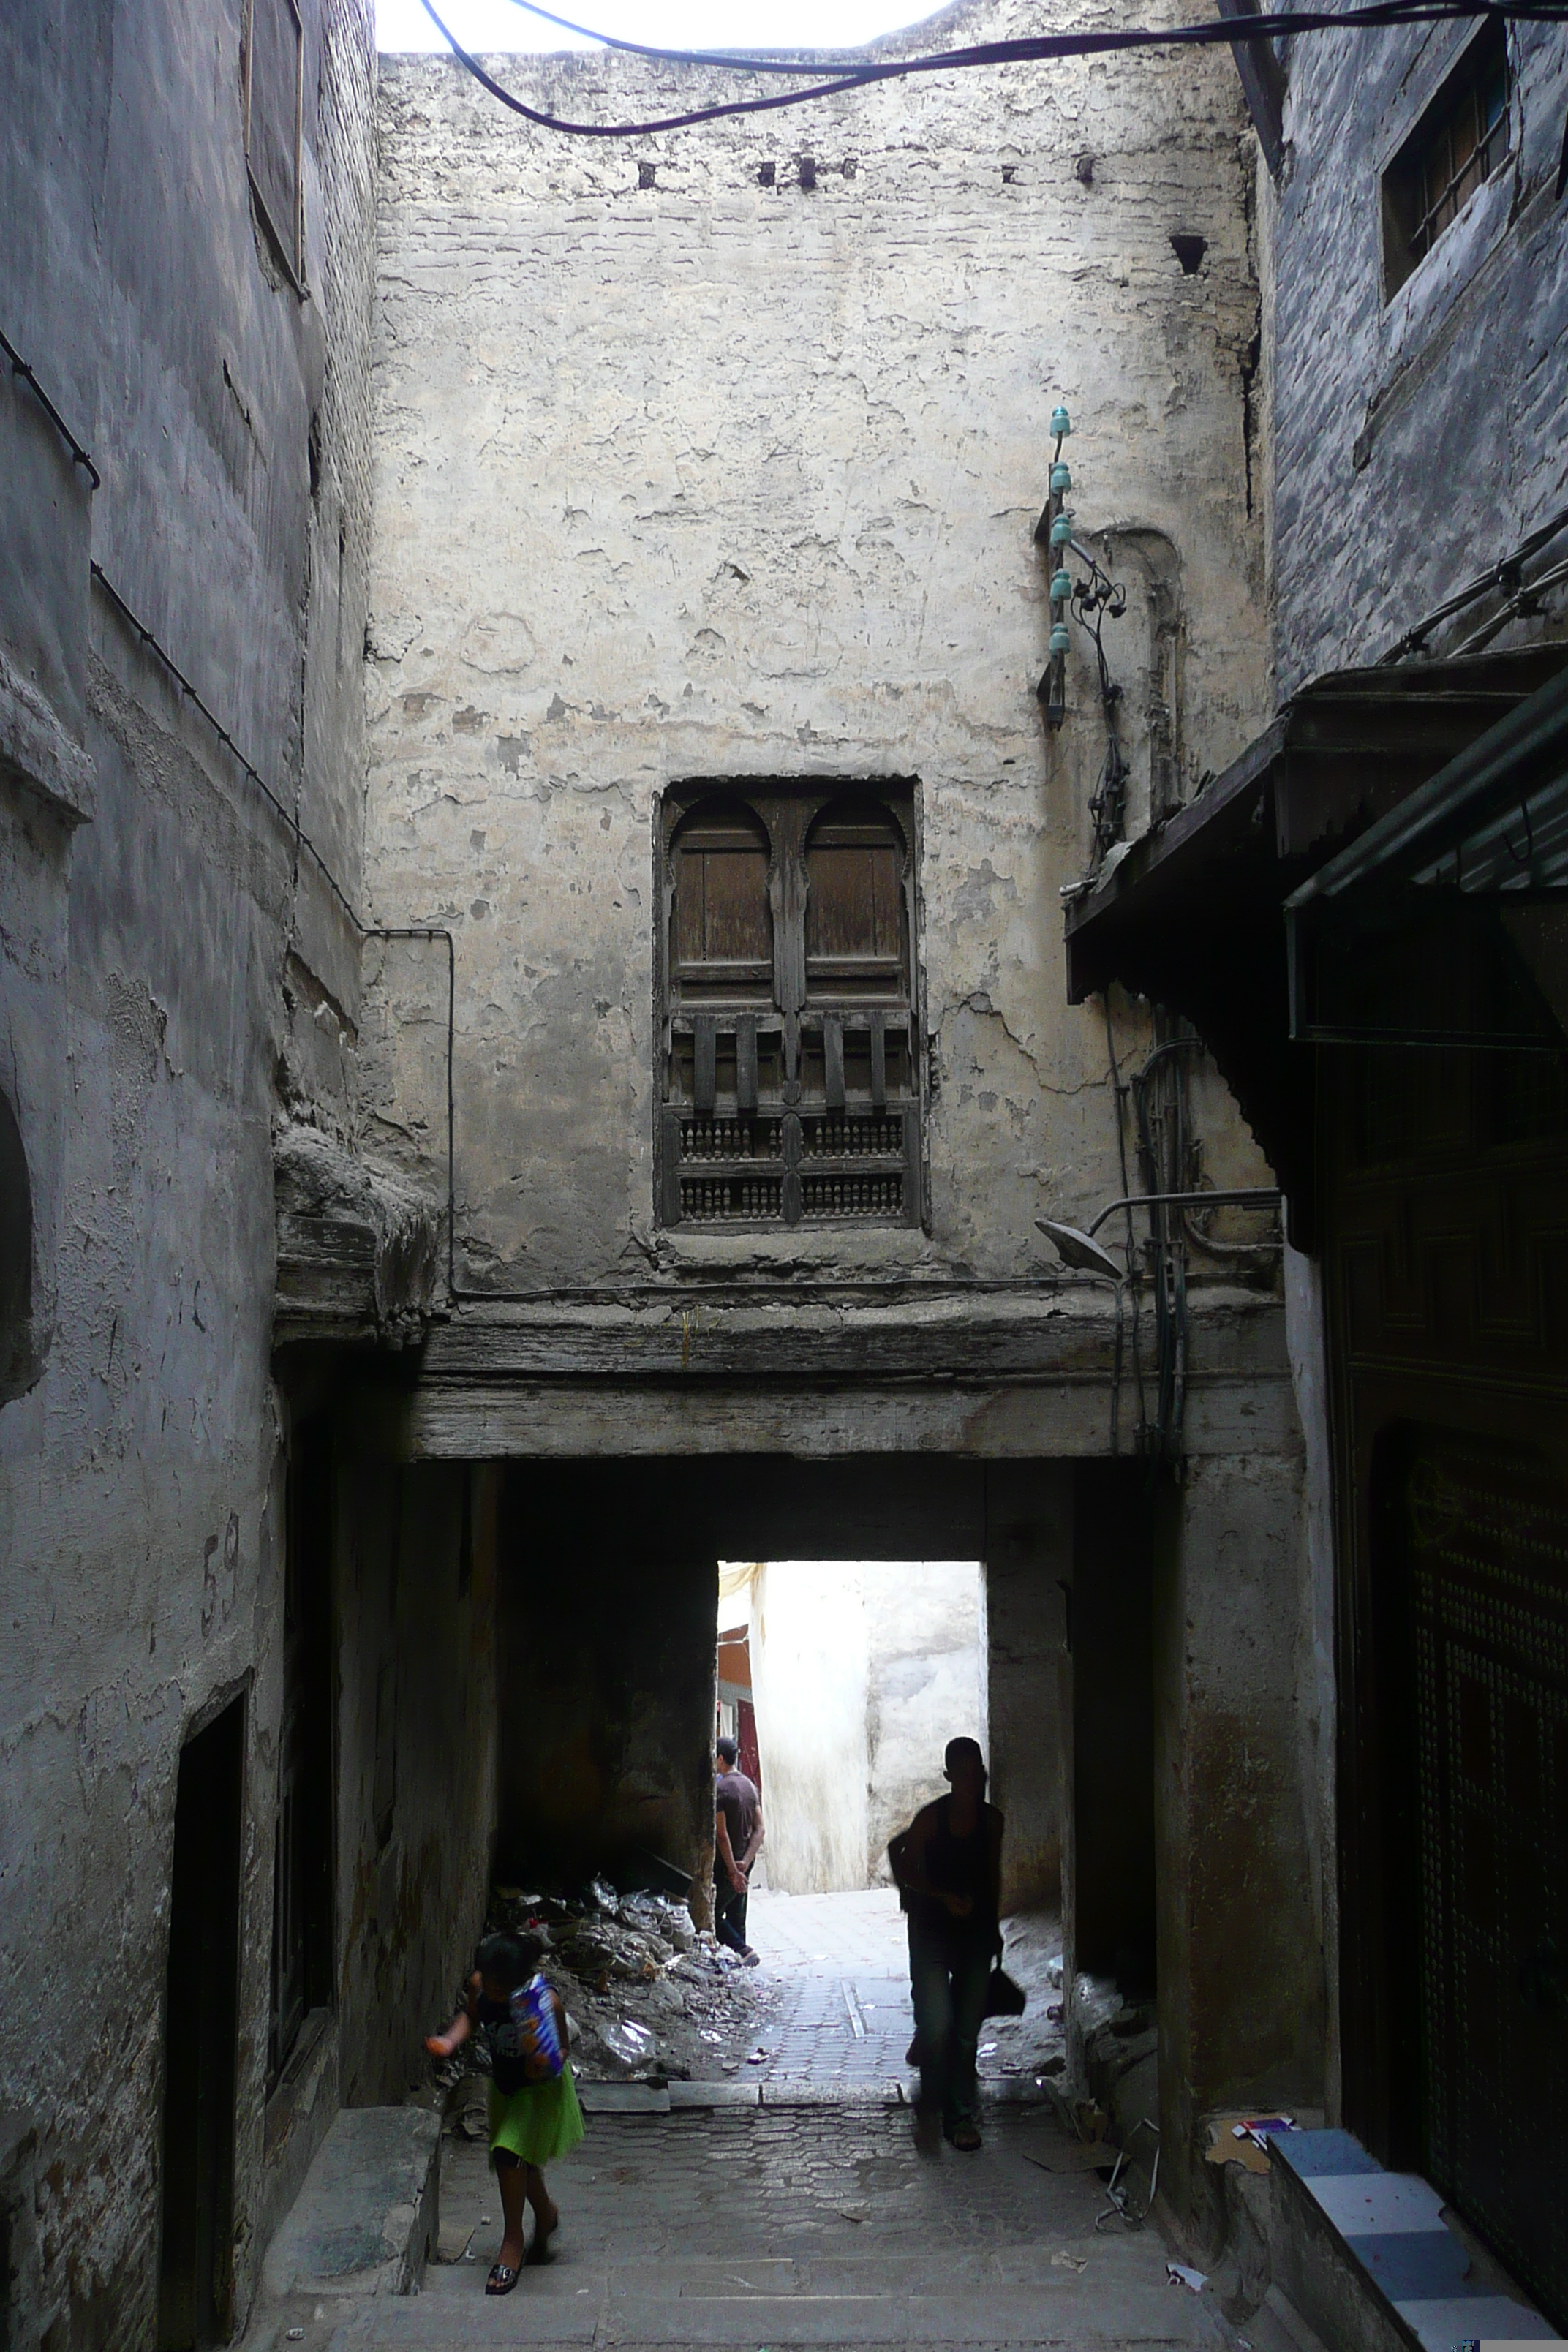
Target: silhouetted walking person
(948,1866)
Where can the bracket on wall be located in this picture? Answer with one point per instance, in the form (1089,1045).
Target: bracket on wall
(1089,602)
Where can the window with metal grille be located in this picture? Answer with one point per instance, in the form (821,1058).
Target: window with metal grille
(790,1062)
(1455,147)
(272,92)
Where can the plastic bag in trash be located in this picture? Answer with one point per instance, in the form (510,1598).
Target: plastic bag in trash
(632,2043)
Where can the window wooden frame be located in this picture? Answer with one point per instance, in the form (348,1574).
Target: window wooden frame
(790,1086)
(1462,140)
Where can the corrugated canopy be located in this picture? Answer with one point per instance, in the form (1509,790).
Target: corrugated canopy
(1446,922)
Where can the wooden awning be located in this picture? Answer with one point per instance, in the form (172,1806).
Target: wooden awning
(1192,915)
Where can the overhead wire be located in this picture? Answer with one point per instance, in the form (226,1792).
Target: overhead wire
(735,61)
(1032,49)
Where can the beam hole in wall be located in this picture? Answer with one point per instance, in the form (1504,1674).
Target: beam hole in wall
(645,176)
(1189,251)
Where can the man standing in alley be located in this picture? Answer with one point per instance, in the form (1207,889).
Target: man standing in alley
(948,1866)
(737,1842)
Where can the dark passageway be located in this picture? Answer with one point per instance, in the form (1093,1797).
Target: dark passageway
(201,2024)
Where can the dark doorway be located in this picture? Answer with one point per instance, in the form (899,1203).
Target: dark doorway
(15,1257)
(1112,1637)
(194,2285)
(303,1847)
(1472,1628)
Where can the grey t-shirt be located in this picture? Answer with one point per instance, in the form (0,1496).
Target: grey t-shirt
(738,1799)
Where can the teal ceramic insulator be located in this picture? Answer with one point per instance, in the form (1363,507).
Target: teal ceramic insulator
(1062,531)
(1061,587)
(1061,482)
(1060,640)
(1061,424)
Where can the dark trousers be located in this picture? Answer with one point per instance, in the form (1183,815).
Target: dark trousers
(948,1980)
(729,1914)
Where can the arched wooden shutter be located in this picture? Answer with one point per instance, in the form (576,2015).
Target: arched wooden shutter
(855,924)
(722,930)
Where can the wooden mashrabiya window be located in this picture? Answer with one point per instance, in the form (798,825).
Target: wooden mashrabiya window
(789,1080)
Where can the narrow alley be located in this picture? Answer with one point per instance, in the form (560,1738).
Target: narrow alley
(784,1143)
(791,2208)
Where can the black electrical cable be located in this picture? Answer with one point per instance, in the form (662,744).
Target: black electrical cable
(1041,49)
(634,129)
(78,454)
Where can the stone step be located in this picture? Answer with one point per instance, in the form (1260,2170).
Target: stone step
(1024,2296)
(1372,2262)
(365,2220)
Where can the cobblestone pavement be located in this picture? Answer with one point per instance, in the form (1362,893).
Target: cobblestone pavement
(836,1985)
(834,2007)
(807,2217)
(798,2225)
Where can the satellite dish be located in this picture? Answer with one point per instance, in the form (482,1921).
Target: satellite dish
(1080,1249)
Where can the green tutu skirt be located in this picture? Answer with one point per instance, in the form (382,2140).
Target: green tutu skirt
(538,2122)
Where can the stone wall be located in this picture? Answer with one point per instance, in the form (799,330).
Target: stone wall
(1028,1573)
(695,459)
(177,974)
(1408,454)
(1240,1909)
(862,1672)
(811,1679)
(925,1629)
(417,1727)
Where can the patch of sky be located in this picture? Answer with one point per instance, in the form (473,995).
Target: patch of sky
(488,26)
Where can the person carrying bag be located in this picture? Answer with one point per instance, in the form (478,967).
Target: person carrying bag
(948,1868)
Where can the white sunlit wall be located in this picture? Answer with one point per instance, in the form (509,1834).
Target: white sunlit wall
(861,1673)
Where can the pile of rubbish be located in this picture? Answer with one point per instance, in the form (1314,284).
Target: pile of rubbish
(650,1998)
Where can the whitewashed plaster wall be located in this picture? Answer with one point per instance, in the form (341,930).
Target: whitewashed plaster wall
(716,479)
(862,1672)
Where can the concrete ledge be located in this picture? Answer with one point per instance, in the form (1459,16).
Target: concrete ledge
(707,2096)
(365,2222)
(622,2099)
(835,2094)
(38,751)
(1369,2260)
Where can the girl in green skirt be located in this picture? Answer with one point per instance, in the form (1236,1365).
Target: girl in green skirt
(534,2115)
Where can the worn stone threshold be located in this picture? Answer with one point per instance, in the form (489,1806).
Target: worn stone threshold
(1390,2228)
(651,2099)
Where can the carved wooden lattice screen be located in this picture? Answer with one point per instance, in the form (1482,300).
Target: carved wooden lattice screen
(790,1055)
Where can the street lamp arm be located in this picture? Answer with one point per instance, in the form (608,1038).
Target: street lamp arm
(1251,1196)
